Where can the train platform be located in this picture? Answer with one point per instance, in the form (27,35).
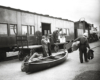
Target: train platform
(71,69)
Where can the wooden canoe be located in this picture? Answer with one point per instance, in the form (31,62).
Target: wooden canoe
(45,63)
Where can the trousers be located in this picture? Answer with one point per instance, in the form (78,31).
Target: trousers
(45,51)
(81,53)
(49,49)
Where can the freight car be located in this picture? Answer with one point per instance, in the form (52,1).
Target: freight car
(83,26)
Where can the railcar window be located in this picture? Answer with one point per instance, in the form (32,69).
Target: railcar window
(48,31)
(64,31)
(67,32)
(3,29)
(24,30)
(12,29)
(31,30)
(45,31)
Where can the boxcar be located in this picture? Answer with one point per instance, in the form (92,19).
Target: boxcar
(83,26)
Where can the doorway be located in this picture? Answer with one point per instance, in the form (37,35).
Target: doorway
(46,28)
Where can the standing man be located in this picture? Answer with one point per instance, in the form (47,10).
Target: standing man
(83,47)
(48,38)
(56,34)
(44,46)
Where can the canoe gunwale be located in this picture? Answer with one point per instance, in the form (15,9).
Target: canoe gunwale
(34,67)
(48,61)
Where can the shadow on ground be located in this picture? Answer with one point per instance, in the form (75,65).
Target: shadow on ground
(88,75)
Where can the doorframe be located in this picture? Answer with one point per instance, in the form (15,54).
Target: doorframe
(45,23)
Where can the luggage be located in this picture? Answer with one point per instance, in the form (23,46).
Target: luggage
(75,45)
(90,54)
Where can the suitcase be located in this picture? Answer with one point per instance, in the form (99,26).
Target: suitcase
(90,54)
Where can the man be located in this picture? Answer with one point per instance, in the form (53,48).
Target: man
(33,56)
(48,38)
(44,46)
(26,59)
(83,47)
(55,35)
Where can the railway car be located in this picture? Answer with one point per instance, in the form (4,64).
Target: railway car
(93,36)
(83,26)
(18,22)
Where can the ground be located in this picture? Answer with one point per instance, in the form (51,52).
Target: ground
(88,75)
(71,69)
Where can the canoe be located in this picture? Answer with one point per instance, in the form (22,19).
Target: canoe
(45,63)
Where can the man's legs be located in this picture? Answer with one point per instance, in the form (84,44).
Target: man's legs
(81,56)
(44,53)
(49,49)
(85,56)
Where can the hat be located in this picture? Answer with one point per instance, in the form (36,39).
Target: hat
(60,29)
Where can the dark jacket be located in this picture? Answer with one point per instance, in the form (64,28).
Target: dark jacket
(55,36)
(83,43)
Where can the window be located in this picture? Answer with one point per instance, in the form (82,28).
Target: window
(31,30)
(64,31)
(48,31)
(3,29)
(45,32)
(24,30)
(80,32)
(13,29)
(27,29)
(67,32)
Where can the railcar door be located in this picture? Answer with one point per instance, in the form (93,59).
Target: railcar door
(46,28)
(79,32)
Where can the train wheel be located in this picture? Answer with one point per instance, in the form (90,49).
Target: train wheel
(56,48)
(20,55)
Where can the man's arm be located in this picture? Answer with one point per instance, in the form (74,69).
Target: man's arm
(33,56)
(43,41)
(87,43)
(77,39)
